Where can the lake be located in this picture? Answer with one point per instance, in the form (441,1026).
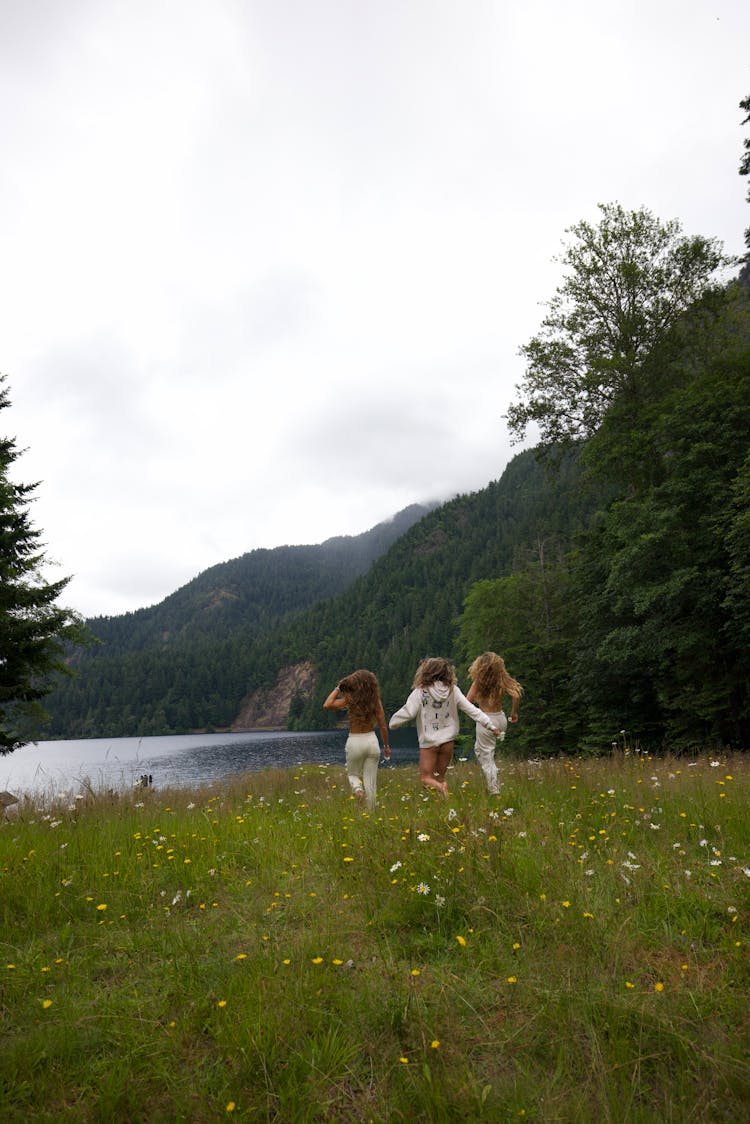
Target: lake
(183,760)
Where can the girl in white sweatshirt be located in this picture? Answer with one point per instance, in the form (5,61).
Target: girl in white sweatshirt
(434,703)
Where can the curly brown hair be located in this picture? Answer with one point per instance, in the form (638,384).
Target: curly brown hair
(492,679)
(433,670)
(361,691)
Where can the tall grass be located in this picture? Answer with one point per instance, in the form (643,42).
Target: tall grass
(573,950)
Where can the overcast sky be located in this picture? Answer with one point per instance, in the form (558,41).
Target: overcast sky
(265,265)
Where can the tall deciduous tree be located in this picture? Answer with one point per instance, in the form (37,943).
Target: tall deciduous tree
(33,628)
(628,280)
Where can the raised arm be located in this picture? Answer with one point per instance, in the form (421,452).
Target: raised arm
(335,700)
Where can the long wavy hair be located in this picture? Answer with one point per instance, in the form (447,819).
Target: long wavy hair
(435,670)
(492,679)
(362,693)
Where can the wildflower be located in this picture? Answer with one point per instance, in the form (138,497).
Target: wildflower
(416,972)
(423,888)
(508,811)
(102,907)
(222,1003)
(628,984)
(566,905)
(348,859)
(396,866)
(317,960)
(435,1044)
(46,1003)
(461,940)
(338,962)
(404,1061)
(512,979)
(659,986)
(423,837)
(439,900)
(231,1106)
(241,956)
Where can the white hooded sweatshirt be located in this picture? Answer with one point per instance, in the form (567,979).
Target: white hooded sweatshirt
(435,709)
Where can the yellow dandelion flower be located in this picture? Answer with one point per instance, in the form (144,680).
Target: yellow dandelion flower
(222,1003)
(659,986)
(348,859)
(435,1044)
(317,960)
(231,1106)
(416,972)
(338,962)
(241,956)
(512,979)
(628,984)
(287,961)
(461,940)
(404,1061)
(566,905)
(102,907)
(46,1003)
(516,946)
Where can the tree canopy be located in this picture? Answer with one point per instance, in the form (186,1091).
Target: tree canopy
(32,627)
(628,280)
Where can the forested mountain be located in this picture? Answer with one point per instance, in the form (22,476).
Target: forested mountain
(183,658)
(181,666)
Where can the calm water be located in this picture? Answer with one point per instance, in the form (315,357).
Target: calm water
(184,760)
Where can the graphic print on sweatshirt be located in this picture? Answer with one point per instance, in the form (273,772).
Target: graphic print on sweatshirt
(432,712)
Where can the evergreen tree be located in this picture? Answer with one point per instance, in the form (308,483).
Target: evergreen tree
(33,628)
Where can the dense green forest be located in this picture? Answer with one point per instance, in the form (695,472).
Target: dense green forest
(184,663)
(609,566)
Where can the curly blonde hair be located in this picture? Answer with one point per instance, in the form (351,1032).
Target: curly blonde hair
(434,670)
(361,691)
(492,679)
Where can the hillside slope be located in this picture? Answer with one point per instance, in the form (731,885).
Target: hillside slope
(180,664)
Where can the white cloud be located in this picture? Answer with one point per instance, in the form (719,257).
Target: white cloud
(267,265)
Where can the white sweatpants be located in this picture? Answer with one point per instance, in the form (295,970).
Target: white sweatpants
(484,749)
(362,759)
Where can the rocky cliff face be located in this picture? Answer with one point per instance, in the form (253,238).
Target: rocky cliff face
(268,707)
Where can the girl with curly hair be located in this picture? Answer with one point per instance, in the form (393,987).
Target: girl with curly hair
(434,703)
(490,683)
(359,693)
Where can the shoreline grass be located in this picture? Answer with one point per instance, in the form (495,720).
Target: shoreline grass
(575,949)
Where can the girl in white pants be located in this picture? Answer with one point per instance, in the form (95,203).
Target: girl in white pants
(359,693)
(490,682)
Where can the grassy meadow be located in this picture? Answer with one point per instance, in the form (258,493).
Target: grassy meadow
(576,949)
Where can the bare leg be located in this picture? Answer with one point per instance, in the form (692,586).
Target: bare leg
(432,765)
